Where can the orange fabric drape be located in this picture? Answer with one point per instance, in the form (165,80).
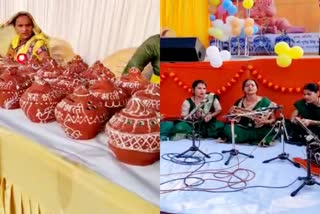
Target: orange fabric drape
(188,18)
(281,85)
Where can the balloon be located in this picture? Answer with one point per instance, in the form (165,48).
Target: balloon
(221,11)
(232,10)
(247,4)
(284,61)
(235,22)
(281,48)
(236,31)
(248,31)
(248,22)
(226,4)
(218,33)
(227,30)
(218,23)
(212,51)
(225,55)
(212,17)
(216,62)
(229,19)
(296,52)
(214,2)
(255,29)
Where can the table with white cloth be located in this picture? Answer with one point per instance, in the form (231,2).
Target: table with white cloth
(217,197)
(44,171)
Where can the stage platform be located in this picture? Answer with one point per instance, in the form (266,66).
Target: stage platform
(281,85)
(214,196)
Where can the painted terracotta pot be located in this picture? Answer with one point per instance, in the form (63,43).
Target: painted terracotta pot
(81,115)
(12,86)
(133,134)
(39,100)
(150,97)
(132,81)
(113,97)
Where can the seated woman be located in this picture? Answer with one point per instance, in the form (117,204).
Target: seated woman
(251,129)
(202,107)
(29,38)
(308,110)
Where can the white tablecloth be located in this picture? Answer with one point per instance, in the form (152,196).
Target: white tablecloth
(94,154)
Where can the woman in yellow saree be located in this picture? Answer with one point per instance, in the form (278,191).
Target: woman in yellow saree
(28,38)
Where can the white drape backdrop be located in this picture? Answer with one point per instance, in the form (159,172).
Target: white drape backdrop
(94,28)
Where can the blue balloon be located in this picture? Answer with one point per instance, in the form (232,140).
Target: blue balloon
(242,34)
(232,10)
(226,4)
(255,29)
(212,17)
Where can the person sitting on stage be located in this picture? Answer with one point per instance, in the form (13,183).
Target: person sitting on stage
(308,110)
(29,38)
(251,129)
(202,107)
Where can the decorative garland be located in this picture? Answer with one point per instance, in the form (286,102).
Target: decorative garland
(233,80)
(184,86)
(272,85)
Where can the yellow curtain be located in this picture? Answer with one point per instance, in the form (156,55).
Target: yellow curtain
(186,18)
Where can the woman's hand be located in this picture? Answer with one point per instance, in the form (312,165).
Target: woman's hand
(307,122)
(208,117)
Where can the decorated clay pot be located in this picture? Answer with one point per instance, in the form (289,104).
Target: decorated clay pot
(81,115)
(30,68)
(66,83)
(133,134)
(113,97)
(97,71)
(132,81)
(39,100)
(150,97)
(49,71)
(76,65)
(12,86)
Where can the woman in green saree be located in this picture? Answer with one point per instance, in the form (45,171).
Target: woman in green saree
(202,107)
(251,129)
(308,110)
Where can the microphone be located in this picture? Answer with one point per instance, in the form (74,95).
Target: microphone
(270,108)
(196,109)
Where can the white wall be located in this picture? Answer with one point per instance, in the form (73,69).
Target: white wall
(94,28)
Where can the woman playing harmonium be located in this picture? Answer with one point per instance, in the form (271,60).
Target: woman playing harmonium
(254,124)
(202,108)
(307,110)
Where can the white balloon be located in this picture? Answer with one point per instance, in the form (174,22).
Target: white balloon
(216,62)
(225,55)
(218,23)
(241,22)
(227,30)
(229,19)
(224,38)
(212,51)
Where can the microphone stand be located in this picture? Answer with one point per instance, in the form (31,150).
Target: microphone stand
(308,180)
(280,124)
(193,147)
(234,151)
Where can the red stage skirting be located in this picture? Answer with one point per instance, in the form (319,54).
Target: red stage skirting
(282,85)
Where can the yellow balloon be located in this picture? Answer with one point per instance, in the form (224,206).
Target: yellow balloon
(282,48)
(216,33)
(248,4)
(296,52)
(284,61)
(214,2)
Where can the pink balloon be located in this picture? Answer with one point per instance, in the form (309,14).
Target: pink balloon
(221,11)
